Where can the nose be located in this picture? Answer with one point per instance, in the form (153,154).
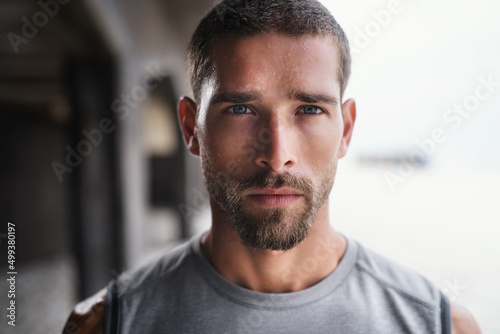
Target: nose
(278,151)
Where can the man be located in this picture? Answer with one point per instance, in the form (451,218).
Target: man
(269,125)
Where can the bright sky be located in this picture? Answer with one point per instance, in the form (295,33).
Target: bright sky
(425,61)
(411,66)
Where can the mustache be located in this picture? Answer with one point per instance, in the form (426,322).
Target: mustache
(265,179)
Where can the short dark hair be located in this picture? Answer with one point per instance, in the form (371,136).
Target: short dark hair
(237,19)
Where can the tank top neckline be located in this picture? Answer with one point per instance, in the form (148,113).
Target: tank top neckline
(249,297)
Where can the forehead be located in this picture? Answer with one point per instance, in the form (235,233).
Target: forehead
(276,64)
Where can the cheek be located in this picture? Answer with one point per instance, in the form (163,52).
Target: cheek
(318,150)
(229,148)
(320,143)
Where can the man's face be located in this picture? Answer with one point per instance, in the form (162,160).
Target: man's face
(270,131)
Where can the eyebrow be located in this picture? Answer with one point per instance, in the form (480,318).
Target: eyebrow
(314,98)
(244,97)
(237,97)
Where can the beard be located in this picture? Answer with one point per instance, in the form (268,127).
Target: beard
(265,228)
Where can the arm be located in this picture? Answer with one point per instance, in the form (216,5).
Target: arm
(88,316)
(462,321)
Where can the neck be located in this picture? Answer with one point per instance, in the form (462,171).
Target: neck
(274,271)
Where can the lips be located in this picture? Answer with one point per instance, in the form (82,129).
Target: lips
(275,192)
(281,197)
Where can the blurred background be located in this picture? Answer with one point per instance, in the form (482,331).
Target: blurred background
(96,178)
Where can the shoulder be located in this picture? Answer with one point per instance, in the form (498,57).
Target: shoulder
(171,263)
(397,278)
(412,286)
(462,321)
(88,316)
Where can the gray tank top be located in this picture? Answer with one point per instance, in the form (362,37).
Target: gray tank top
(182,293)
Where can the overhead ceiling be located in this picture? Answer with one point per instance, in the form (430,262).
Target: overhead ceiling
(35,47)
(33,62)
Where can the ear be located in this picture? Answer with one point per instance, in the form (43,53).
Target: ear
(349,112)
(186,112)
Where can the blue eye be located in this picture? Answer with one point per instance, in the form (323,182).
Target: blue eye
(312,110)
(238,109)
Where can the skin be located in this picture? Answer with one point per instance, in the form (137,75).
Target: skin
(282,73)
(277,73)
